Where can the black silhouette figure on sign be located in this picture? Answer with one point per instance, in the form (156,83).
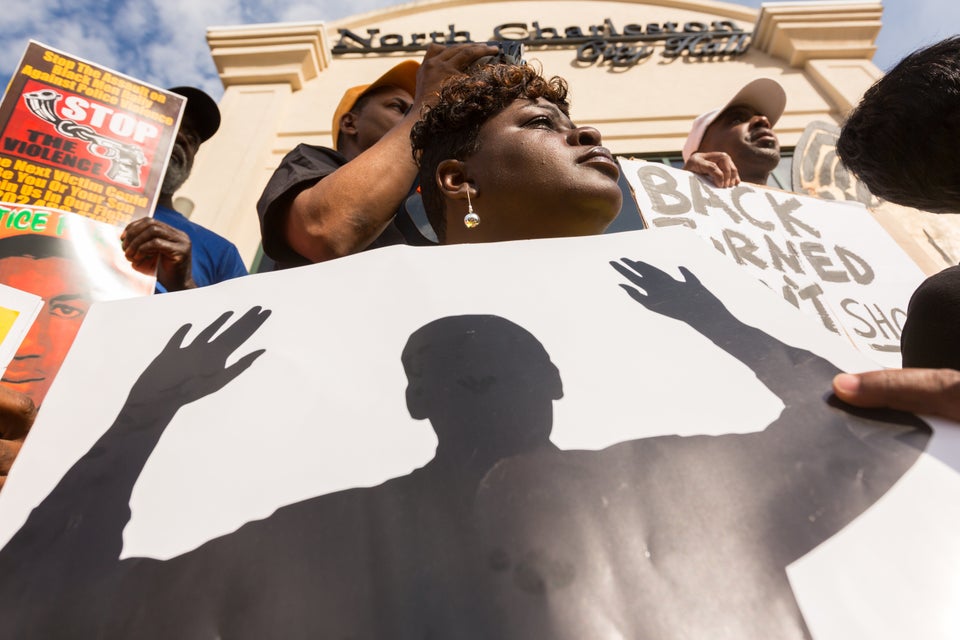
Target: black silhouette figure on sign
(501,534)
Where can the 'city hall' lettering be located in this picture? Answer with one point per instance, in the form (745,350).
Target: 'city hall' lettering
(599,43)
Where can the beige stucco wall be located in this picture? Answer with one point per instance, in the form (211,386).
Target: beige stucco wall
(282,83)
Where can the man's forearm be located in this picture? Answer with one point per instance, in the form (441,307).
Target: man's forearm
(347,210)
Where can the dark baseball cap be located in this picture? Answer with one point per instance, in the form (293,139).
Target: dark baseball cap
(201,111)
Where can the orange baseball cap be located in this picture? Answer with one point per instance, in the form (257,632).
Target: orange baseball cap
(403,75)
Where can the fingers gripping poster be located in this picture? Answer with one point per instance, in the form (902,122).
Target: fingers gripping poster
(829,259)
(611,437)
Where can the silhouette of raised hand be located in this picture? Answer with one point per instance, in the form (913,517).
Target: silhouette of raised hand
(181,373)
(777,365)
(686,300)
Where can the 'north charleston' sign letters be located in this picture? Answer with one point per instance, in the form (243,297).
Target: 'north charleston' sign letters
(601,43)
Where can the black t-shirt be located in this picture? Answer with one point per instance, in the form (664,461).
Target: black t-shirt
(929,337)
(300,169)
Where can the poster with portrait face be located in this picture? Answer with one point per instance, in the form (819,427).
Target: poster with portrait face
(832,260)
(604,437)
(80,137)
(70,262)
(18,310)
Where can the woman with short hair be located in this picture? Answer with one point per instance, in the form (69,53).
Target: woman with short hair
(500,159)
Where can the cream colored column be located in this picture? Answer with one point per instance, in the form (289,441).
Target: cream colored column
(832,42)
(261,67)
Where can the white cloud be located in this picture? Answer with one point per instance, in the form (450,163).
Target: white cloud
(92,39)
(176,53)
(304,11)
(20,17)
(134,17)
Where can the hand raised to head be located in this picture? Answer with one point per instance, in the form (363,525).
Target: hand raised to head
(685,300)
(181,373)
(440,62)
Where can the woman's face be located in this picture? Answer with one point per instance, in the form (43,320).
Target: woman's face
(537,175)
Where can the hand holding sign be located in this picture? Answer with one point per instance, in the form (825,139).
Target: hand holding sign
(154,247)
(716,165)
(926,391)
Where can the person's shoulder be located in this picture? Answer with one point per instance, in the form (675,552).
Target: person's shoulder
(305,153)
(198,233)
(171,217)
(300,169)
(303,166)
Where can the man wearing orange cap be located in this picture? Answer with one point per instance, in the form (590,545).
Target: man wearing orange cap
(326,203)
(737,142)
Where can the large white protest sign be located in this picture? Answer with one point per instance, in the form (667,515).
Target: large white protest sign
(830,259)
(608,437)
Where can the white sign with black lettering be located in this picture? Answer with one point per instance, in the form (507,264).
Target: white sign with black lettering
(829,259)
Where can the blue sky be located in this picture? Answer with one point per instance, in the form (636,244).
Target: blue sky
(162,42)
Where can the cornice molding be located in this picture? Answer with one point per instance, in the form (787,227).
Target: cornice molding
(797,32)
(291,53)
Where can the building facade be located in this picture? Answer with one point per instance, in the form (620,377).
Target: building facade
(639,71)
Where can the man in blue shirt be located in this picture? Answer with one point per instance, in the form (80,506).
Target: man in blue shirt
(184,254)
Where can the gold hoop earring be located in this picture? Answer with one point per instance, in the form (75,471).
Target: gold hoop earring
(471,220)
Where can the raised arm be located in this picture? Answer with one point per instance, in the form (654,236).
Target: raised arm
(780,367)
(72,540)
(348,209)
(821,463)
